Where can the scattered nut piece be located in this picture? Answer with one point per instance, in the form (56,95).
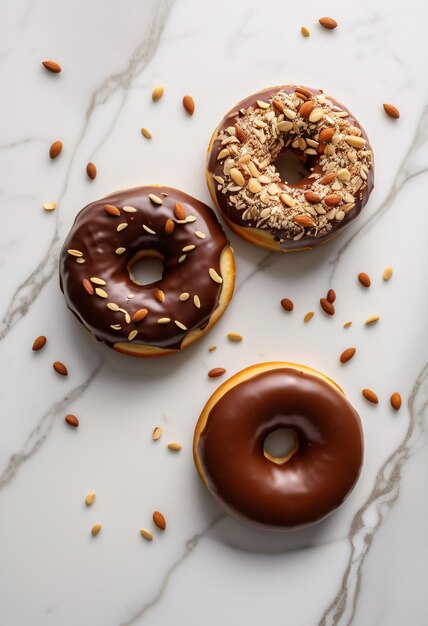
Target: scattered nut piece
(309,315)
(331,296)
(391,111)
(328,22)
(287,304)
(55,149)
(327,306)
(212,348)
(146,534)
(72,420)
(90,498)
(159,520)
(157,433)
(236,337)
(60,368)
(395,400)
(216,371)
(387,273)
(370,395)
(189,104)
(364,279)
(347,324)
(39,343)
(347,355)
(95,530)
(146,133)
(91,170)
(175,447)
(49,206)
(157,93)
(305,31)
(52,66)
(372,319)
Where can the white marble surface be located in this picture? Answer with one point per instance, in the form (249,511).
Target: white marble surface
(366,565)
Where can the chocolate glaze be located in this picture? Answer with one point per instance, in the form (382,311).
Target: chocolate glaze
(94,233)
(314,481)
(215,168)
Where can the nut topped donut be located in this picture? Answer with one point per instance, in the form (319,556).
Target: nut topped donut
(111,234)
(299,488)
(247,188)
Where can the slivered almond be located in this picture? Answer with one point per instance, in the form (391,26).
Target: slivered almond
(55,149)
(254,186)
(60,368)
(157,93)
(90,498)
(316,115)
(309,315)
(95,529)
(237,177)
(370,395)
(347,355)
(387,273)
(72,420)
(391,111)
(174,446)
(239,133)
(304,220)
(372,320)
(332,199)
(327,306)
(215,372)
(159,520)
(155,199)
(146,133)
(169,226)
(179,211)
(312,197)
(146,534)
(160,295)
(39,343)
(52,66)
(235,337)
(355,142)
(111,210)
(328,22)
(287,200)
(306,109)
(189,104)
(157,433)
(364,279)
(87,286)
(395,401)
(326,134)
(139,315)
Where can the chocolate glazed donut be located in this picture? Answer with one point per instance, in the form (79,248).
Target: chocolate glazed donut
(247,189)
(111,234)
(290,492)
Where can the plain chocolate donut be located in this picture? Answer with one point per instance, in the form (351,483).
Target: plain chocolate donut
(247,188)
(292,492)
(111,234)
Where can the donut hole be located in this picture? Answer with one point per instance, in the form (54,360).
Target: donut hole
(146,267)
(280,445)
(291,167)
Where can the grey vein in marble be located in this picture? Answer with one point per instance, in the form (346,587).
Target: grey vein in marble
(28,291)
(401,178)
(39,434)
(382,498)
(190,546)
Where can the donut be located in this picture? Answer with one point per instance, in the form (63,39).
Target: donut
(107,238)
(247,188)
(288,492)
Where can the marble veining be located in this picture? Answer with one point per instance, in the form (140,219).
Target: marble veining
(206,568)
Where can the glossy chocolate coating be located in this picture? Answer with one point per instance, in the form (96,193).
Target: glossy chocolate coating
(215,168)
(314,481)
(95,234)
